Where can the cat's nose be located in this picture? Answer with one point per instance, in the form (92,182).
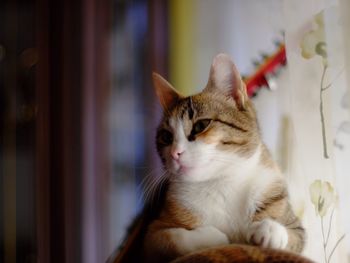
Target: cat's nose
(176,153)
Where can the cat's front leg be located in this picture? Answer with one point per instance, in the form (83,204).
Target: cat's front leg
(202,237)
(268,233)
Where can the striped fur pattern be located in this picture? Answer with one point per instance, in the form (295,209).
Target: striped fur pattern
(242,254)
(223,186)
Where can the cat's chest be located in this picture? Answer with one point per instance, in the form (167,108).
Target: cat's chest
(225,205)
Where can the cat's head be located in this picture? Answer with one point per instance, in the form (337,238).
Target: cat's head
(202,135)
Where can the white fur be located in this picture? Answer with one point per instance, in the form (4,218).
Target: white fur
(199,238)
(268,233)
(197,156)
(223,190)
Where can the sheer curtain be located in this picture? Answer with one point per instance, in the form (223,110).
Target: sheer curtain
(318,130)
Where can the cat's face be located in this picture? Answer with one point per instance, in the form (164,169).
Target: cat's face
(202,135)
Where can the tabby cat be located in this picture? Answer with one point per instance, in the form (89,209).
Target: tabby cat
(223,186)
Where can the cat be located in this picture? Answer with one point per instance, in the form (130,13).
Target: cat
(222,185)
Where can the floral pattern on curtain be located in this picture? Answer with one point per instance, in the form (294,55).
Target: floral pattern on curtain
(318,95)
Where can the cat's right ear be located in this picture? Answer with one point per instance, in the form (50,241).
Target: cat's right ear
(167,95)
(225,78)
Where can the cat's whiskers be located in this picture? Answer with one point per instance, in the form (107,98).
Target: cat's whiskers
(147,177)
(154,183)
(162,180)
(147,182)
(150,190)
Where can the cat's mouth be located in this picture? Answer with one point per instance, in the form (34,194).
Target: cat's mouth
(182,169)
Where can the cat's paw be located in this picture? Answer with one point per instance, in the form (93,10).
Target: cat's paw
(199,238)
(211,236)
(268,234)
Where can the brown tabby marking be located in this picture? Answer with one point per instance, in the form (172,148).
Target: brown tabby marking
(266,159)
(172,216)
(242,254)
(232,129)
(275,205)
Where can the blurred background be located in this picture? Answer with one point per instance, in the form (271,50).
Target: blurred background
(78,113)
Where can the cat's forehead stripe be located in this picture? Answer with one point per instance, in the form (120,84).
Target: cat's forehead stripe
(186,107)
(190,108)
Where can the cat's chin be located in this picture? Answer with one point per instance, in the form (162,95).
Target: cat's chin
(183,172)
(191,175)
(194,172)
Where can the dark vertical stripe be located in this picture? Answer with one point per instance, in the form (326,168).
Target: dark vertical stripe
(190,108)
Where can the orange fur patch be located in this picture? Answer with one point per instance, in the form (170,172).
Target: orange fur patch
(210,136)
(158,245)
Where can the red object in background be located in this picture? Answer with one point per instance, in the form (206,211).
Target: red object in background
(269,66)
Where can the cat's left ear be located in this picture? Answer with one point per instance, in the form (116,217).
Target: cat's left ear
(225,78)
(166,94)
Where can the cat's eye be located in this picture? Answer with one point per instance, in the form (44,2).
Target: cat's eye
(166,137)
(200,125)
